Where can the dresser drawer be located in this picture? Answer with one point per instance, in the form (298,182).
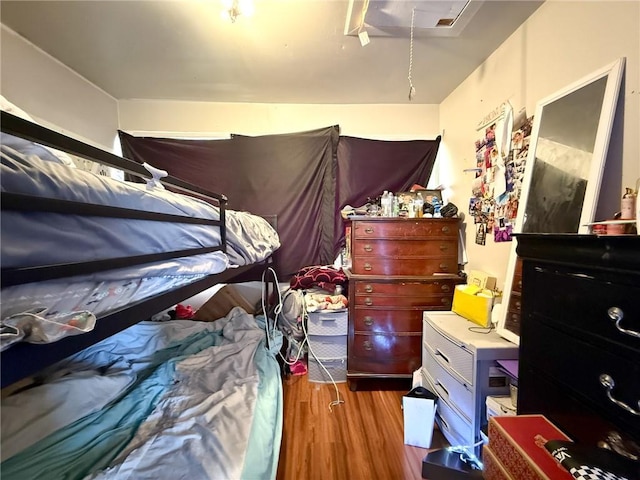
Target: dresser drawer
(447,387)
(405,288)
(384,346)
(386,321)
(579,365)
(431,302)
(403,228)
(418,266)
(449,354)
(405,248)
(580,303)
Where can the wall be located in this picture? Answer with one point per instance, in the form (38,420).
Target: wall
(54,94)
(559,44)
(196,118)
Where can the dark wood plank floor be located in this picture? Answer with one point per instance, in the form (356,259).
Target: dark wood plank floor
(363,438)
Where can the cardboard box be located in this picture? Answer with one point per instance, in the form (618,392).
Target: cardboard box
(221,303)
(481,279)
(492,469)
(517,442)
(473,303)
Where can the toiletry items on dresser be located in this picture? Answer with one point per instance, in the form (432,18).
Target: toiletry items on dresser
(400,267)
(580,338)
(459,365)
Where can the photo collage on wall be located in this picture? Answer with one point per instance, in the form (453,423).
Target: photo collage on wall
(501,156)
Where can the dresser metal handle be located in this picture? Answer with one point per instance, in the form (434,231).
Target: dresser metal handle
(607,382)
(616,314)
(368,248)
(445,229)
(368,230)
(445,288)
(368,267)
(443,266)
(368,321)
(368,302)
(444,247)
(615,442)
(368,288)
(367,345)
(445,301)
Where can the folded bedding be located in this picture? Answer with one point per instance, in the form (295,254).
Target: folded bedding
(195,400)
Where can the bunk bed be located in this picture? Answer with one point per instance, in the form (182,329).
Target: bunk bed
(130,398)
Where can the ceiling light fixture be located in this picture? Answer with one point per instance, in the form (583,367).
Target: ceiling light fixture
(234,8)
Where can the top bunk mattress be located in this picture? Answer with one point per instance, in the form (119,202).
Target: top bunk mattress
(41,238)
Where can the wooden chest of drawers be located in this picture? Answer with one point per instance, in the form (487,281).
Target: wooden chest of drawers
(400,268)
(580,337)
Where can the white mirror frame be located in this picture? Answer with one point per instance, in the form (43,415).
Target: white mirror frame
(613,72)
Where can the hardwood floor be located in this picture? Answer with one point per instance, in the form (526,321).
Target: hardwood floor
(363,438)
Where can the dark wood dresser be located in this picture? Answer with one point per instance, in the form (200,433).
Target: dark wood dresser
(400,267)
(580,340)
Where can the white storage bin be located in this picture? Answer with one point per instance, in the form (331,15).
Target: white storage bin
(328,323)
(337,367)
(328,346)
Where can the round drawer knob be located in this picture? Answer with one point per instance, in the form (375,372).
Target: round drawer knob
(368,302)
(368,248)
(368,267)
(367,345)
(368,288)
(368,321)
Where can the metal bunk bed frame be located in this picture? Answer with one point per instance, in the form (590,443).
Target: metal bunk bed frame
(24,359)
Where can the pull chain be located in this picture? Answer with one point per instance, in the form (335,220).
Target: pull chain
(412,90)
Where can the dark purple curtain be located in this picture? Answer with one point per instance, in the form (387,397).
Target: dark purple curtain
(368,167)
(303,178)
(291,176)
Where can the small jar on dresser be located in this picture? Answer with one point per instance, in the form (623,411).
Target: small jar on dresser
(400,267)
(459,365)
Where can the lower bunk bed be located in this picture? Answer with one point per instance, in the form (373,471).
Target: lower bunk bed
(128,397)
(177,399)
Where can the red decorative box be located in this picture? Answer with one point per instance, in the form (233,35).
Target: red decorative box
(517,442)
(492,469)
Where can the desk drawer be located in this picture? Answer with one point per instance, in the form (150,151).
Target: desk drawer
(453,425)
(448,387)
(449,354)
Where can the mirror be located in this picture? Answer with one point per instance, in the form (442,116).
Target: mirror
(567,154)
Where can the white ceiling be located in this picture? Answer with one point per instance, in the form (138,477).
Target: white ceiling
(289,51)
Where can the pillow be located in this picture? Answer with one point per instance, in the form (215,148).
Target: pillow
(27,147)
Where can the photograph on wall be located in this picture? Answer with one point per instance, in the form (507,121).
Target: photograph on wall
(481,233)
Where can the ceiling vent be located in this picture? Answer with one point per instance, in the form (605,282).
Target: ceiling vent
(392,18)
